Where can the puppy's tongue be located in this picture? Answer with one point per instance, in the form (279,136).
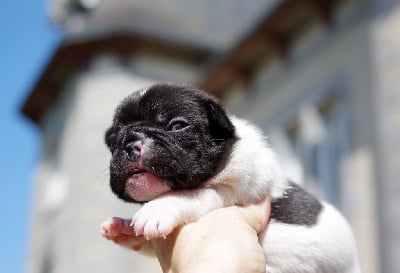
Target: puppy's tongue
(145,186)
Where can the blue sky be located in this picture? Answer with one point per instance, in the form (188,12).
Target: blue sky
(27,40)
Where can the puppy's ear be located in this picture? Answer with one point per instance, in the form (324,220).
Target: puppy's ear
(220,125)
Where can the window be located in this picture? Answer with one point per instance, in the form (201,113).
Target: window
(313,144)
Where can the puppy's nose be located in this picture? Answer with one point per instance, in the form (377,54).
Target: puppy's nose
(134,148)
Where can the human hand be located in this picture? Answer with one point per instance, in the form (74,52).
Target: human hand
(120,231)
(224,240)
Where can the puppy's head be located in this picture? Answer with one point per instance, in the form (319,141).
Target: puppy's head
(164,138)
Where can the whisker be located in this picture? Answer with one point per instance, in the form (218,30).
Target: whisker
(103,176)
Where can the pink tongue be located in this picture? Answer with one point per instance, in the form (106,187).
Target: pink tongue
(145,186)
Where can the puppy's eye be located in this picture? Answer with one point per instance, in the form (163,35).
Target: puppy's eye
(110,139)
(177,125)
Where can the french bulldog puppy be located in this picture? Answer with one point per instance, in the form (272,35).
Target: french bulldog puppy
(176,151)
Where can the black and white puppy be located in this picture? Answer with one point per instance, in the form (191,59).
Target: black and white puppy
(175,150)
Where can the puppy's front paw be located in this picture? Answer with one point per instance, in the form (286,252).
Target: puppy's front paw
(120,232)
(155,220)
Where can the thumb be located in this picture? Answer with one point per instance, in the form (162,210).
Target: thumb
(257,215)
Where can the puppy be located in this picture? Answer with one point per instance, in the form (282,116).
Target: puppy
(176,151)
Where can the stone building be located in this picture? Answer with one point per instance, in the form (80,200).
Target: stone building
(319,76)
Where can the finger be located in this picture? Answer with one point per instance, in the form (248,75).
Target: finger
(257,215)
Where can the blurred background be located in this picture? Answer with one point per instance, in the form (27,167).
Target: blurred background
(320,77)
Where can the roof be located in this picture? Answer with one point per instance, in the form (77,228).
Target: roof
(215,24)
(191,30)
(72,56)
(273,35)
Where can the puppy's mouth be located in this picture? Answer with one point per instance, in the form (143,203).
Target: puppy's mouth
(143,185)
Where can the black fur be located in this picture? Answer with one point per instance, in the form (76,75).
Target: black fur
(185,158)
(296,207)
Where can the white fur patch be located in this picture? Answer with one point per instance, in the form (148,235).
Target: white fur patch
(253,167)
(326,247)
